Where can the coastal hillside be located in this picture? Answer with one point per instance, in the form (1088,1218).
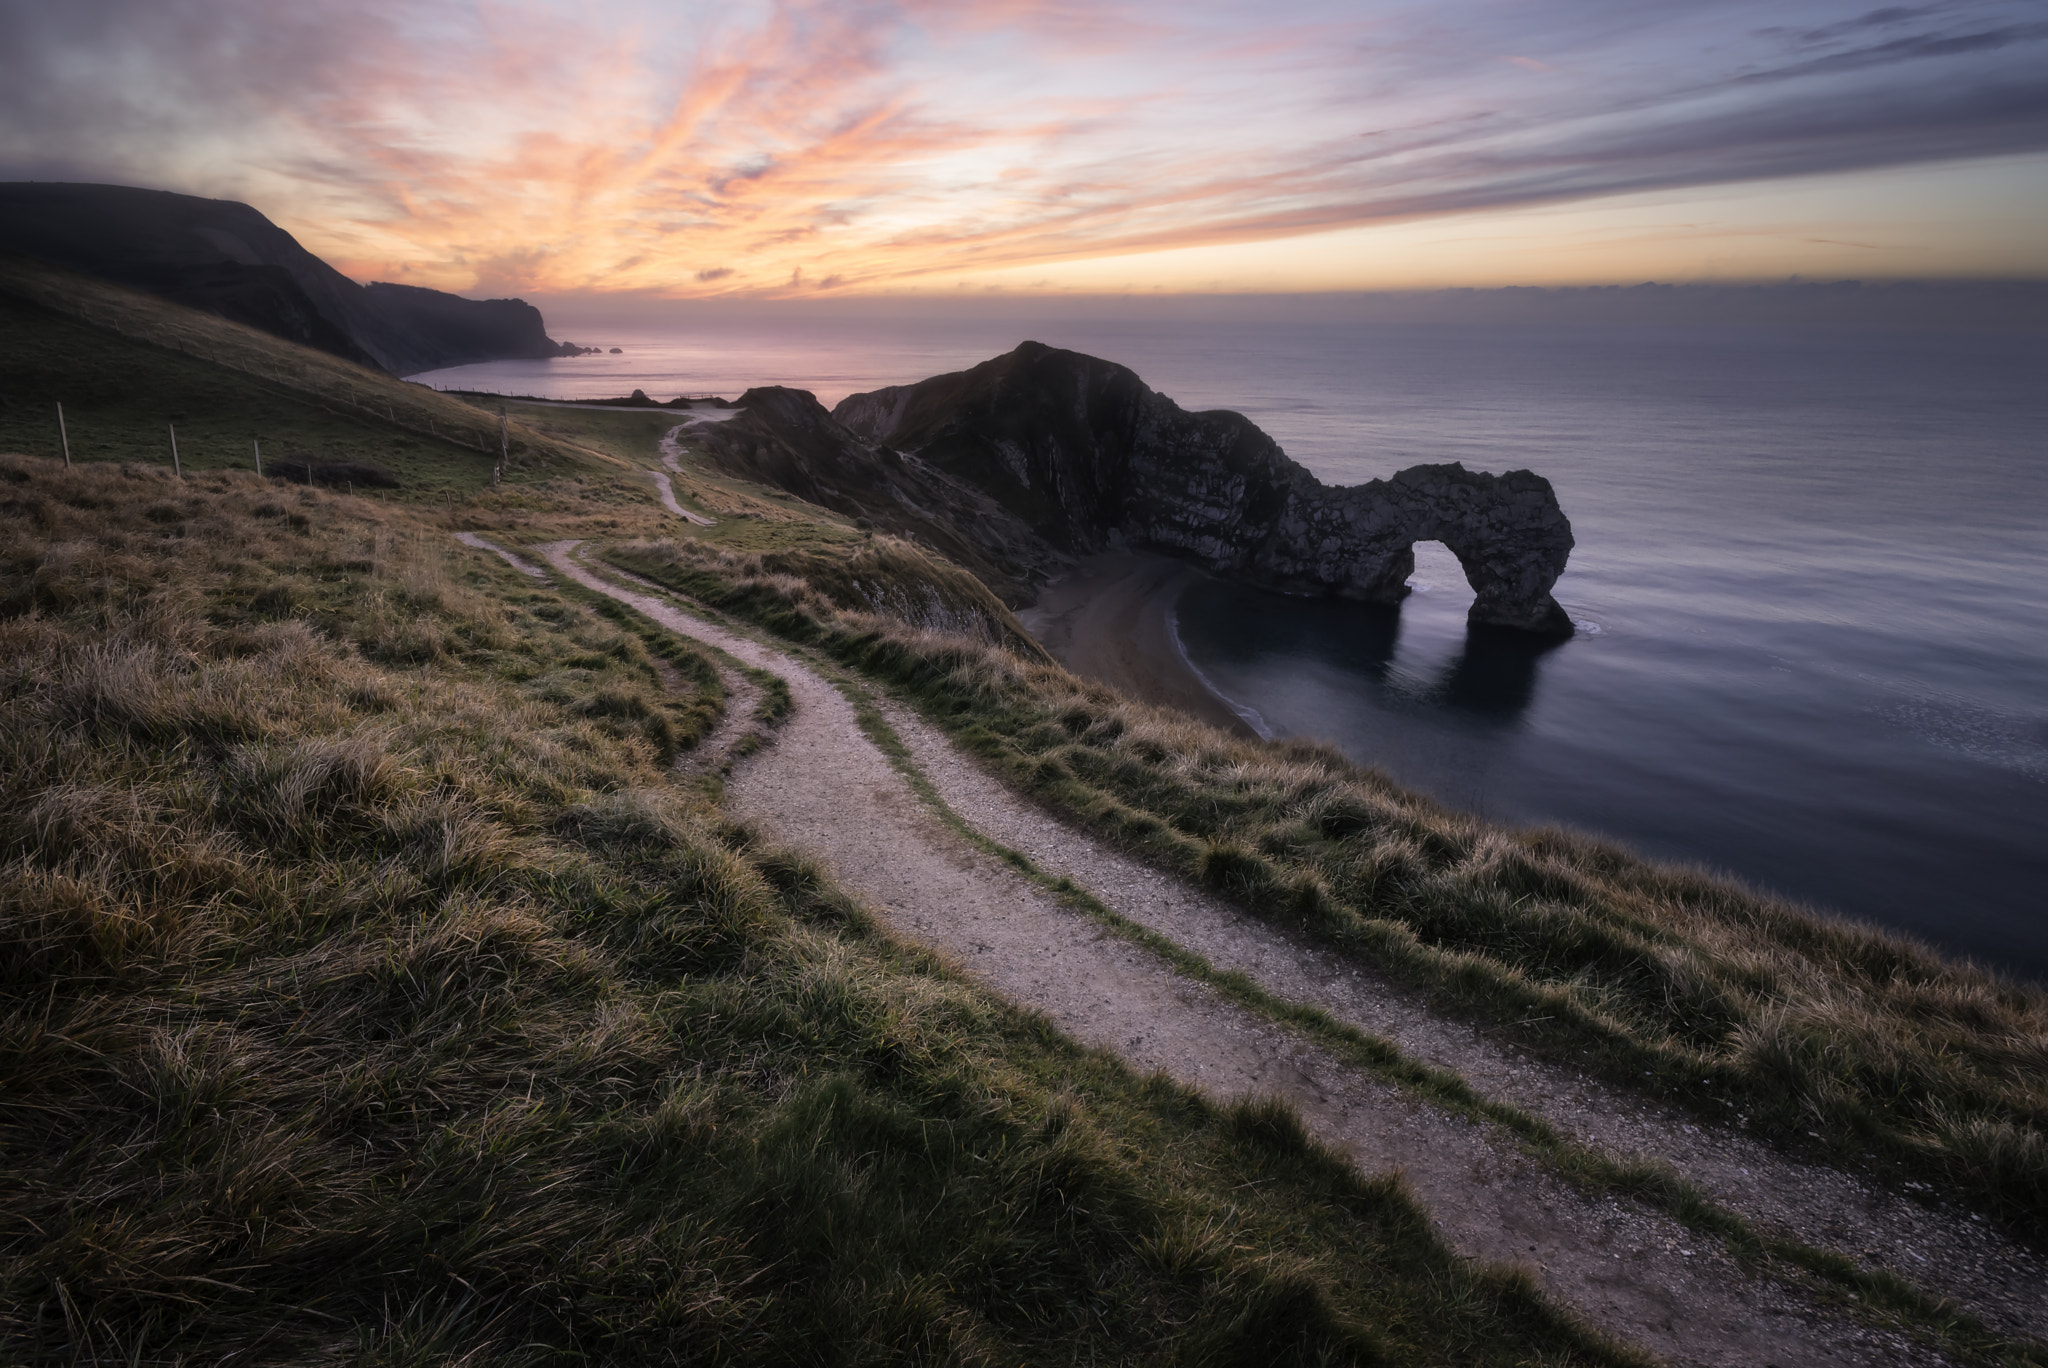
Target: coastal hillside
(376,990)
(601,905)
(227,259)
(132,372)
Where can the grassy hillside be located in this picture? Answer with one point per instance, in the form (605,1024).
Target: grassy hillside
(370,991)
(127,368)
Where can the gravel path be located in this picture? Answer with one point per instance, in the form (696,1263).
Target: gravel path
(671,456)
(1633,1272)
(1951,1254)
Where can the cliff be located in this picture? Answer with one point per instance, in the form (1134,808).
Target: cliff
(785,438)
(229,260)
(442,329)
(1041,455)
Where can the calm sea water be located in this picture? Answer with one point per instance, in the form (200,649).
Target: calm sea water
(1811,578)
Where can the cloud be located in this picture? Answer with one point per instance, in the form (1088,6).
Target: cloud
(526,144)
(1918,47)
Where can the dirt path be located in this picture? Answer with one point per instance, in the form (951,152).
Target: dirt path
(827,789)
(471,539)
(1949,1254)
(671,456)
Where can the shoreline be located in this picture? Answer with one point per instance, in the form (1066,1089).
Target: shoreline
(1111,619)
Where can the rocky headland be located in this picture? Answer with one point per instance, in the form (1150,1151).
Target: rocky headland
(1032,460)
(227,259)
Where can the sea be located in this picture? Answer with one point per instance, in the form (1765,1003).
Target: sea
(1810,581)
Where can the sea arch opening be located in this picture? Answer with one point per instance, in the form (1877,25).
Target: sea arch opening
(1438,578)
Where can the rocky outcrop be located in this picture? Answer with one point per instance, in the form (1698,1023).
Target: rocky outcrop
(1085,455)
(227,259)
(785,438)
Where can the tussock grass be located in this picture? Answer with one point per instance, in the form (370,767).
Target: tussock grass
(1813,1030)
(369,994)
(878,575)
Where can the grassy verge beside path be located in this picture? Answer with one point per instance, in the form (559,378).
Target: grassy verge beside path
(369,993)
(1873,1295)
(1820,1034)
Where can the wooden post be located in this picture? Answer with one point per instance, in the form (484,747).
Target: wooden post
(259,455)
(309,472)
(176,469)
(504,439)
(63,436)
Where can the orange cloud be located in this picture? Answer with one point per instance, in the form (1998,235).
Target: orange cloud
(769,146)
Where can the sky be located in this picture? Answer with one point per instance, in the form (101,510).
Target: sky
(767,148)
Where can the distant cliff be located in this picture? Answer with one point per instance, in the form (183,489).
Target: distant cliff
(229,260)
(1041,455)
(454,331)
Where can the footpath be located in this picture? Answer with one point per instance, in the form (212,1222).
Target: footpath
(923,856)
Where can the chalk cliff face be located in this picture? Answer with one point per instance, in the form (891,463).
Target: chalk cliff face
(1085,455)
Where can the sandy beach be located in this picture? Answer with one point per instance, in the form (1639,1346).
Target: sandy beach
(1111,620)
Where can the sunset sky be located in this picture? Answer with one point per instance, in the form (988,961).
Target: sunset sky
(691,149)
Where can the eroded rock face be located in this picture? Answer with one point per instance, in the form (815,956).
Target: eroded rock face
(1039,456)
(785,438)
(1084,454)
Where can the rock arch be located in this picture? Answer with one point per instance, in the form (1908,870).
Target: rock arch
(1040,455)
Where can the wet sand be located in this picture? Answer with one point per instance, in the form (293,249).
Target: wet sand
(1110,620)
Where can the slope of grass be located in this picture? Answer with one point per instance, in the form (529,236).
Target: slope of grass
(369,993)
(1817,1032)
(631,435)
(126,366)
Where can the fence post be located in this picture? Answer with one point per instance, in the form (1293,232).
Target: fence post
(63,436)
(176,469)
(259,455)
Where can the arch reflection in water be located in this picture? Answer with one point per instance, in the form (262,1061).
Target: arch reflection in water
(1417,660)
(1494,676)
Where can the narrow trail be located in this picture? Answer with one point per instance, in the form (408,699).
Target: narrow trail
(1952,1255)
(1638,1275)
(671,456)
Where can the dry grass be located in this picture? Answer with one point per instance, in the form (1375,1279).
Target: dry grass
(1810,1029)
(369,994)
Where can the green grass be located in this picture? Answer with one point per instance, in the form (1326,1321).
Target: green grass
(370,993)
(122,399)
(1829,1037)
(631,435)
(127,367)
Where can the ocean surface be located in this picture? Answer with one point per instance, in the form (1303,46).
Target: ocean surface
(1811,577)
